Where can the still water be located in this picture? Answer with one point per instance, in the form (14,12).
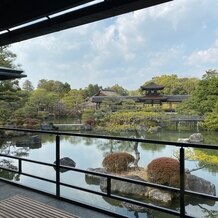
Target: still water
(89,153)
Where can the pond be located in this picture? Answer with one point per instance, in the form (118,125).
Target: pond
(89,153)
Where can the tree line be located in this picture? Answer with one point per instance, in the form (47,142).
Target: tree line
(28,106)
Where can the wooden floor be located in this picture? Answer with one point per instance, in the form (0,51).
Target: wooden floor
(8,191)
(19,206)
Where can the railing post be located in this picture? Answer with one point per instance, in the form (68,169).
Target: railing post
(108,186)
(20,166)
(57,165)
(182,181)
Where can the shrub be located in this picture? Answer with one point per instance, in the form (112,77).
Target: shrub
(165,171)
(117,162)
(30,122)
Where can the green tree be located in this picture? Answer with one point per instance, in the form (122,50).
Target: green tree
(73,102)
(28,86)
(119,89)
(174,85)
(7,58)
(39,99)
(204,98)
(92,90)
(54,86)
(211,119)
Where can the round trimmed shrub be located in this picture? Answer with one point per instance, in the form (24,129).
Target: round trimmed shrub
(117,162)
(164,171)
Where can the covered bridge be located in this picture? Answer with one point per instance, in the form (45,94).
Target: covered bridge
(151,96)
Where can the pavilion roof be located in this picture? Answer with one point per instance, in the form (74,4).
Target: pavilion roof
(8,73)
(106,92)
(152,86)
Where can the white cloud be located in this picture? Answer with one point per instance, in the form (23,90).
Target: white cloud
(204,57)
(130,49)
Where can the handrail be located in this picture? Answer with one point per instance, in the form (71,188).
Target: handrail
(162,142)
(109,177)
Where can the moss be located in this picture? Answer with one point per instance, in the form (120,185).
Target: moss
(165,171)
(117,162)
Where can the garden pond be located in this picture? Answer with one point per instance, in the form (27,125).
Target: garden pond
(89,153)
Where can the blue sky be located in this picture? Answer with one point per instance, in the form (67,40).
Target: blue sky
(178,37)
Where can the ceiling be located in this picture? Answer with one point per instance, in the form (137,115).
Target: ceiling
(25,19)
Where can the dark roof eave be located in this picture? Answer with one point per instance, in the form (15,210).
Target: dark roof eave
(87,14)
(9,73)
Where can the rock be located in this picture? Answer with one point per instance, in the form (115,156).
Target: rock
(196,137)
(93,179)
(66,161)
(162,197)
(125,187)
(198,184)
(135,208)
(185,140)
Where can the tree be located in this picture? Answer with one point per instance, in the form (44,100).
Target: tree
(39,99)
(211,119)
(73,101)
(119,89)
(54,86)
(7,57)
(28,86)
(174,85)
(92,90)
(204,98)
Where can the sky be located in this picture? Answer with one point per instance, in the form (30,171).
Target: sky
(178,37)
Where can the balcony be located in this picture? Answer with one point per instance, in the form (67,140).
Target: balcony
(57,195)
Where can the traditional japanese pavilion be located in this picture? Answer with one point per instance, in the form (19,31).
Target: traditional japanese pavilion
(152,96)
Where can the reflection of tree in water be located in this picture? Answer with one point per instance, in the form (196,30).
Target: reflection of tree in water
(9,148)
(18,147)
(47,138)
(110,146)
(207,158)
(8,174)
(152,147)
(208,213)
(137,211)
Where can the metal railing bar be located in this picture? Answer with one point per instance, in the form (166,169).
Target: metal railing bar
(113,177)
(19,166)
(38,177)
(57,168)
(138,182)
(176,144)
(94,173)
(198,194)
(10,170)
(27,160)
(109,177)
(182,180)
(84,189)
(30,175)
(108,186)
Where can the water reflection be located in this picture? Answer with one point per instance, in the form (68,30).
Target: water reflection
(89,152)
(152,147)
